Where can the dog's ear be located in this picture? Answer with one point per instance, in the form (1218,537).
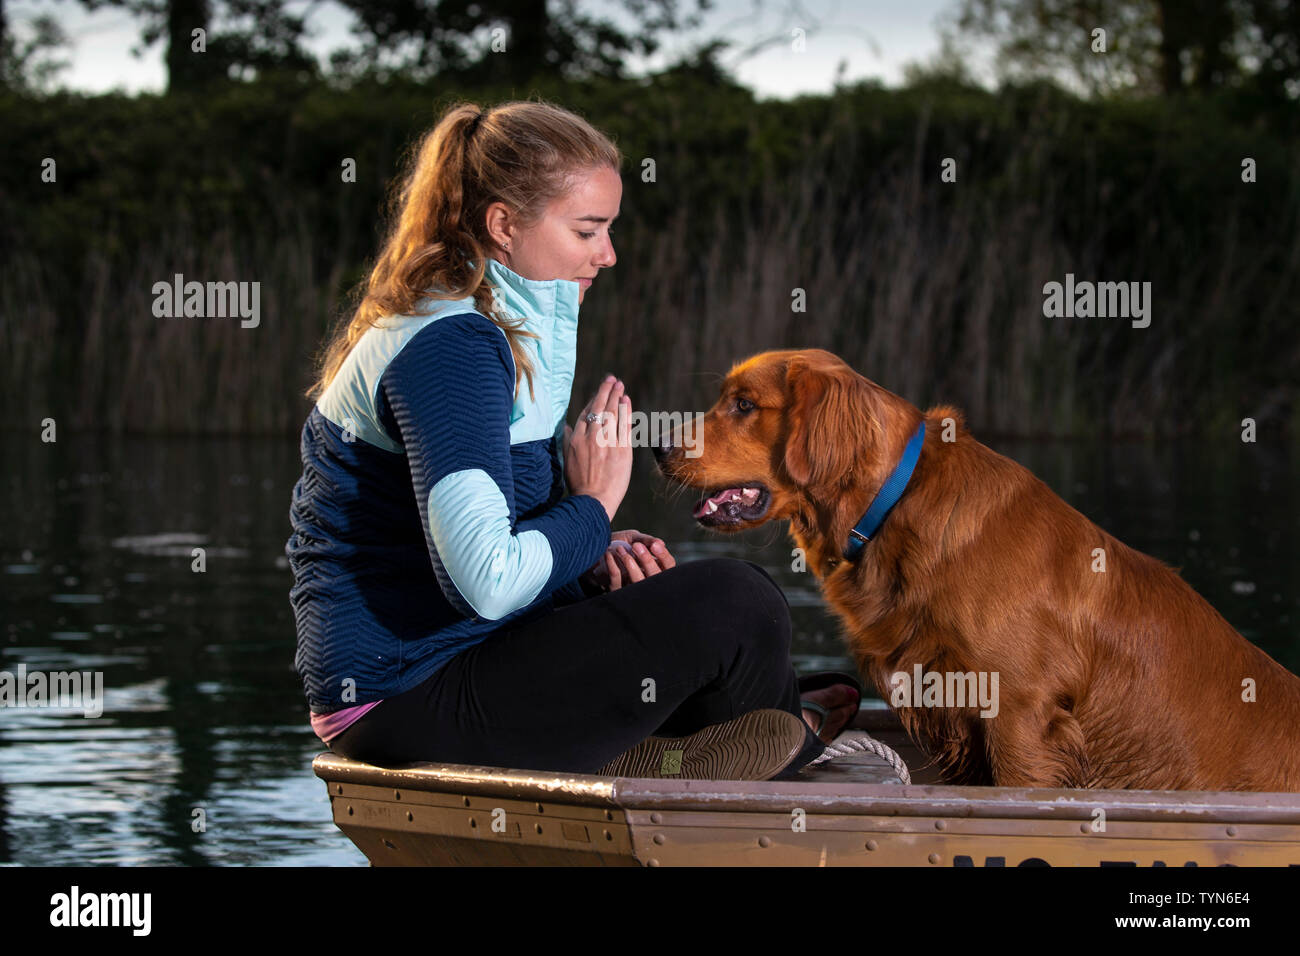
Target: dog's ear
(833,422)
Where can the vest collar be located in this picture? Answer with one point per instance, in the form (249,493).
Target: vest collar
(887,496)
(546,305)
(548,308)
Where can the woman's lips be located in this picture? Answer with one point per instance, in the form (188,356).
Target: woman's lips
(584,283)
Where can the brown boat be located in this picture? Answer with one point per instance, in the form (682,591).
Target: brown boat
(851,811)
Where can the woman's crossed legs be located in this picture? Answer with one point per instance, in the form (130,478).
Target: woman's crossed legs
(695,645)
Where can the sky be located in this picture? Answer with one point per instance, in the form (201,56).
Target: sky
(876,38)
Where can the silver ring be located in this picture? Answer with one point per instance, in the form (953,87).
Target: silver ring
(595,418)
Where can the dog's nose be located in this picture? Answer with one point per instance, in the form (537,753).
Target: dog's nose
(663,449)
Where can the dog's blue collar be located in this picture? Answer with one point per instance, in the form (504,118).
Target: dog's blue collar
(887,497)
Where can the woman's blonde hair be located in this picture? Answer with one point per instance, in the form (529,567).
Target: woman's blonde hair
(523,154)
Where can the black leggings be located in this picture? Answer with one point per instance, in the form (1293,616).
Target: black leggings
(698,644)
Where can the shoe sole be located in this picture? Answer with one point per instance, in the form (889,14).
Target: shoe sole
(755,746)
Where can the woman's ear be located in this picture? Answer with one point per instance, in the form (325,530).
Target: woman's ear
(832,423)
(499,224)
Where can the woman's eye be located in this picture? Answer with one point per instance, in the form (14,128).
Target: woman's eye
(586,235)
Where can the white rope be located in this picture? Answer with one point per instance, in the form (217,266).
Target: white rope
(855,741)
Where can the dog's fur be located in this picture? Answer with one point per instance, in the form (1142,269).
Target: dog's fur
(1122,678)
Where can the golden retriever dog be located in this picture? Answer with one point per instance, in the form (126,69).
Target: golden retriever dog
(1108,669)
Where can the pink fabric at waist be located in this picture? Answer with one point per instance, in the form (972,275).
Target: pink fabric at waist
(329,726)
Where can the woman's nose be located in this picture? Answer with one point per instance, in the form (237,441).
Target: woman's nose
(607,257)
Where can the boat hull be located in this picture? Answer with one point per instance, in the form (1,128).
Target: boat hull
(842,815)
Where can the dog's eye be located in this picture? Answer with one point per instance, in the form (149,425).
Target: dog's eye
(744,405)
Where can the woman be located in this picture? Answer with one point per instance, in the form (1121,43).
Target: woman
(452,603)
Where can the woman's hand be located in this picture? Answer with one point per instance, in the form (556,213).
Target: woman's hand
(598,457)
(630,557)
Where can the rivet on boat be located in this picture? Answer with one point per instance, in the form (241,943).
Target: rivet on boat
(654,817)
(397,795)
(1232,831)
(934,858)
(872,844)
(940,825)
(349,811)
(473,824)
(608,835)
(1084,828)
(540,808)
(410,817)
(764,841)
(539,828)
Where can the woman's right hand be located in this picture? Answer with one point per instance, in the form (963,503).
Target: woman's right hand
(598,458)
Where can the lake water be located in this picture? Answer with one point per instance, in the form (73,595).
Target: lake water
(202,754)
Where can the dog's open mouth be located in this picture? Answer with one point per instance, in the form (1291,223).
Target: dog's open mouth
(732,505)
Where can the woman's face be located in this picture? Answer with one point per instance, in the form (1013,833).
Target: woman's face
(571,241)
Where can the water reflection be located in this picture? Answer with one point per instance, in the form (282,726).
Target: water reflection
(202,753)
